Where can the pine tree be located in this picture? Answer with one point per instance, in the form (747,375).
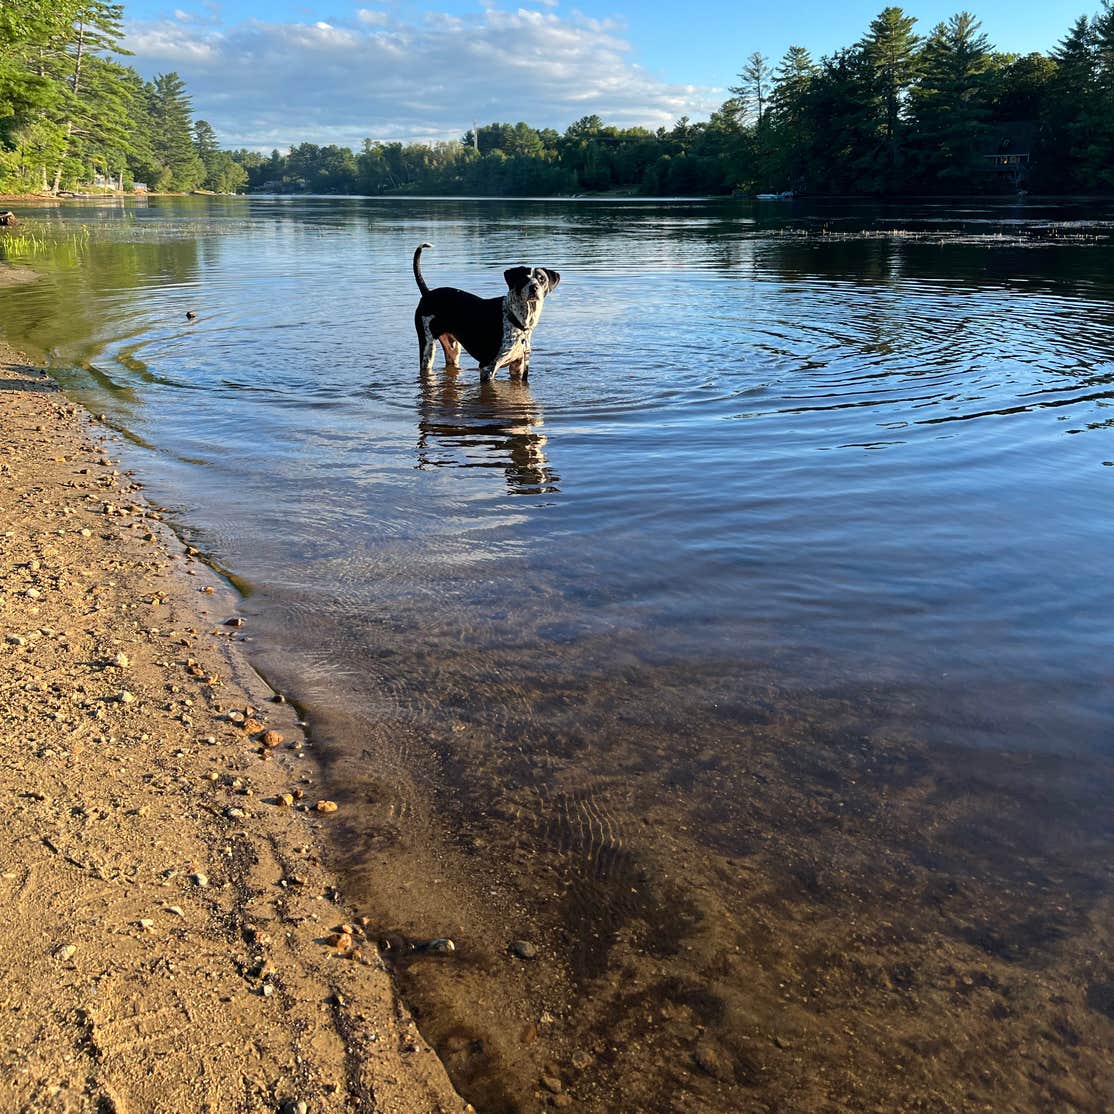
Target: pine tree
(893,52)
(753,89)
(789,110)
(31,136)
(96,94)
(172,139)
(951,100)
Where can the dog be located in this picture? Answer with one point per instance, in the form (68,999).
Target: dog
(494,331)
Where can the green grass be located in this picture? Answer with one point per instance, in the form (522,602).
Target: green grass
(27,243)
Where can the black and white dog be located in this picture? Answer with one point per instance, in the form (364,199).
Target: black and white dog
(495,331)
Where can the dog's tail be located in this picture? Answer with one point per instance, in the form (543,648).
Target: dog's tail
(418,268)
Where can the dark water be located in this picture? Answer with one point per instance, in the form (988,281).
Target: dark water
(753,662)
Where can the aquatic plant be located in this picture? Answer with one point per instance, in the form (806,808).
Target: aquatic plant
(30,242)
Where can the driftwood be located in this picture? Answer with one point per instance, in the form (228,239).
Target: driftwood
(8,219)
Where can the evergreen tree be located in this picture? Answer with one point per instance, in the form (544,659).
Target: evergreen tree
(792,121)
(172,143)
(951,101)
(892,51)
(1096,156)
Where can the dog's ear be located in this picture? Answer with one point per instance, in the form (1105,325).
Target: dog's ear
(553,276)
(517,277)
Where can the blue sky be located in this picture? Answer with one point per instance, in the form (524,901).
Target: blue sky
(273,72)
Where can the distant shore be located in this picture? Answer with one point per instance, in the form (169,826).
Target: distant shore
(170,939)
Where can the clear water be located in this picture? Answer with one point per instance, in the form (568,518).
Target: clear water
(779,598)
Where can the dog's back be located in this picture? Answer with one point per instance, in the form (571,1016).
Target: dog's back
(477,323)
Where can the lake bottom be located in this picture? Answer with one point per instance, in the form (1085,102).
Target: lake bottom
(711,885)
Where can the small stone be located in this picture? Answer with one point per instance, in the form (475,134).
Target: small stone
(32,593)
(175,910)
(252,726)
(121,660)
(524,949)
(326,806)
(710,1061)
(237,622)
(552,1084)
(271,739)
(199,879)
(146,924)
(342,941)
(125,697)
(560,1101)
(285,800)
(442,946)
(64,953)
(15,640)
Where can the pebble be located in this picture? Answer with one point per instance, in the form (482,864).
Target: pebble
(65,952)
(524,949)
(561,1101)
(271,739)
(326,806)
(552,1084)
(125,697)
(709,1060)
(442,946)
(15,640)
(293,1106)
(199,879)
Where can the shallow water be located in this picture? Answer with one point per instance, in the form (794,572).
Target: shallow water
(753,661)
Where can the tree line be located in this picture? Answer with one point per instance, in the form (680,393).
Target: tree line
(896,112)
(71,114)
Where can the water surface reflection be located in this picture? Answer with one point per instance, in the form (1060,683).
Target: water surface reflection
(463,423)
(753,665)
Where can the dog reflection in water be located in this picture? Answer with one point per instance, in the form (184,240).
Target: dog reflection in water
(496,424)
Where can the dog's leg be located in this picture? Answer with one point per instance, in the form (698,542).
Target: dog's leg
(451,347)
(426,343)
(521,366)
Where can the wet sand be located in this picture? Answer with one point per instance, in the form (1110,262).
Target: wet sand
(168,935)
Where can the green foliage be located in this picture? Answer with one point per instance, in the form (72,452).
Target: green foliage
(894,112)
(72,114)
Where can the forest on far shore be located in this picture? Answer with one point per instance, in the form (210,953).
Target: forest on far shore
(897,112)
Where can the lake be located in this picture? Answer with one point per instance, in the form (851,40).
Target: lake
(736,693)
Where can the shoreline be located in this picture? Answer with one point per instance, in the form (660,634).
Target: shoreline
(170,939)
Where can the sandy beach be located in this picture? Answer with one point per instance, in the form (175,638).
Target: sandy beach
(171,941)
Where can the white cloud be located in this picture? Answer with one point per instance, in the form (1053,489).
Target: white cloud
(263,84)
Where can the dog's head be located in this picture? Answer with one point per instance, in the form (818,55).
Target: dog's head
(528,287)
